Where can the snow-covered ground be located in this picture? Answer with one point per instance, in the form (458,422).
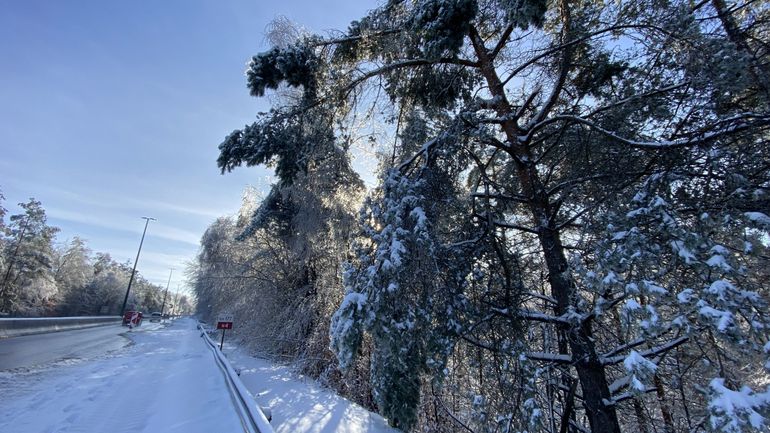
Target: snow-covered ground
(167,381)
(299,404)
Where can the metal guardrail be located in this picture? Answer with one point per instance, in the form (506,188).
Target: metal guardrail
(252,417)
(16,327)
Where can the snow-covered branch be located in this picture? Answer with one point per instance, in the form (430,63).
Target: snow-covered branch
(649,353)
(550,357)
(736,125)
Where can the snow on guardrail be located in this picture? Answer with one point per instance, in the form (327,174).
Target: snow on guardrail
(254,420)
(16,327)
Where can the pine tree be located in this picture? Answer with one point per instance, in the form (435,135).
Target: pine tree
(72,272)
(27,282)
(599,167)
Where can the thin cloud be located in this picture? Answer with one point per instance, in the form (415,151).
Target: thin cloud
(129,225)
(175,234)
(203,212)
(99,199)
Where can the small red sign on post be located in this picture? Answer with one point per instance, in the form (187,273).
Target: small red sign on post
(224,321)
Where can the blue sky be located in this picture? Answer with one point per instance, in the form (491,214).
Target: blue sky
(112,110)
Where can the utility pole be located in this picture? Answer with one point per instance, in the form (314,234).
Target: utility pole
(163,307)
(133,271)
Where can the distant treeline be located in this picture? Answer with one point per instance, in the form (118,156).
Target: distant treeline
(42,277)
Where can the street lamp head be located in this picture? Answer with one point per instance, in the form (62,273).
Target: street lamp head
(149,218)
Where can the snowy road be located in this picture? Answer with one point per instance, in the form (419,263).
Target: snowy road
(166,382)
(32,350)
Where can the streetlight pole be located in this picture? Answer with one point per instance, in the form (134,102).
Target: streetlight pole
(163,307)
(133,271)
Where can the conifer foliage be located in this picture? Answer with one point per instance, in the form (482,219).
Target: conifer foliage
(569,230)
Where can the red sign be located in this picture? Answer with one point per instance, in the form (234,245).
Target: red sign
(224,325)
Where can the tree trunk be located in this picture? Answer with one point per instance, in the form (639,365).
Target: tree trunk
(641,417)
(593,381)
(665,411)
